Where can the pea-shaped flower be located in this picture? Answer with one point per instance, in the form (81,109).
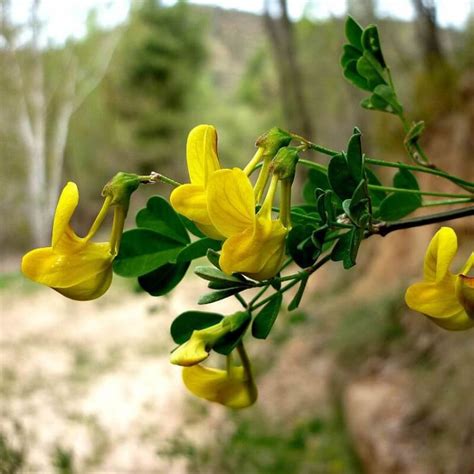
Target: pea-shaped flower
(446,298)
(255,242)
(233,388)
(74,266)
(190,199)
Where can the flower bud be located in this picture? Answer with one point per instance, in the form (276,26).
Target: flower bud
(272,141)
(284,163)
(121,187)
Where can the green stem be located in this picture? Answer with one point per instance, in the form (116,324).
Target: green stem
(303,274)
(99,219)
(258,295)
(244,358)
(385,228)
(154,177)
(417,191)
(446,202)
(421,169)
(323,168)
(241,300)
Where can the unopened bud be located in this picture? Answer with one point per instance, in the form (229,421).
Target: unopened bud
(284,163)
(120,188)
(272,141)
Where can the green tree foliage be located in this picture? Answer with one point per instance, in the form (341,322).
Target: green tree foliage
(162,66)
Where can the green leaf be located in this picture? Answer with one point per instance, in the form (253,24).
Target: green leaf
(159,216)
(316,179)
(354,155)
(350,53)
(162,280)
(229,342)
(295,302)
(213,258)
(354,33)
(367,70)
(351,74)
(143,250)
(371,42)
(191,226)
(376,196)
(386,93)
(340,178)
(405,179)
(184,324)
(224,285)
(214,274)
(263,322)
(415,132)
(219,295)
(300,246)
(398,205)
(347,247)
(198,249)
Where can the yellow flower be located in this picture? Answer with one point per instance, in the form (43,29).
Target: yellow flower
(446,298)
(233,389)
(190,199)
(197,347)
(255,243)
(74,266)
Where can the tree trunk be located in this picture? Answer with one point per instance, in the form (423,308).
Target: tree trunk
(433,54)
(281,35)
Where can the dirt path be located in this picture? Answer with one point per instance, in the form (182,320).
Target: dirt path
(92,380)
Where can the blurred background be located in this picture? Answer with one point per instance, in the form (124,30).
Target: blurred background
(352,382)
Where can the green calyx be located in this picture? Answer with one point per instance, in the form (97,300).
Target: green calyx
(284,163)
(121,187)
(272,141)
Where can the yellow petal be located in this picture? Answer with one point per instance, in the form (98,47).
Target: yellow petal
(440,254)
(190,200)
(201,153)
(233,391)
(458,322)
(68,201)
(256,251)
(210,231)
(89,289)
(230,201)
(190,353)
(275,249)
(58,270)
(434,299)
(465,294)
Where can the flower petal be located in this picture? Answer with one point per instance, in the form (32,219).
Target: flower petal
(89,289)
(201,153)
(190,200)
(465,293)
(233,391)
(59,270)
(191,352)
(68,201)
(256,252)
(437,300)
(458,322)
(230,201)
(440,254)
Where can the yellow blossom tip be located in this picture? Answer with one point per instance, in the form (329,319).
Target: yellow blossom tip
(232,389)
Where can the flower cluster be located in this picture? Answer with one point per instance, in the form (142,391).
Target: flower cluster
(233,387)
(222,202)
